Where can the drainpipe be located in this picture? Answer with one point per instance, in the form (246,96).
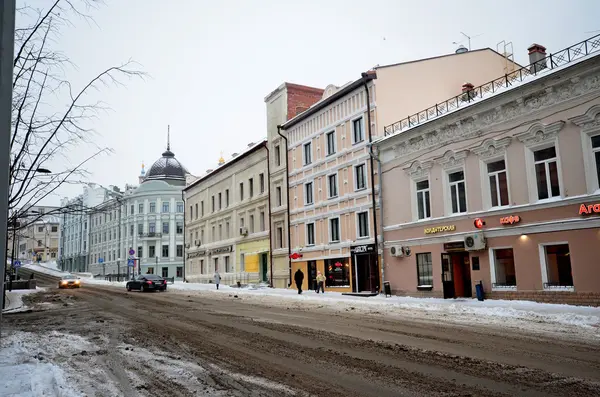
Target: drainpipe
(380,202)
(184,232)
(366,85)
(287,194)
(268,183)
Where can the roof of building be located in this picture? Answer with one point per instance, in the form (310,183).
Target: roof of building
(299,87)
(166,168)
(233,160)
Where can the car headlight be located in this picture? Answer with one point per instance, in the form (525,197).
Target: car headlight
(63,282)
(76,281)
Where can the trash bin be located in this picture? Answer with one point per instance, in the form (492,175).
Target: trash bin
(479,291)
(387,288)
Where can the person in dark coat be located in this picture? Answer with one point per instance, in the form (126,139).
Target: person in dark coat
(299,278)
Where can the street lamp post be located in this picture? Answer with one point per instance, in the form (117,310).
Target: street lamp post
(156,267)
(119,269)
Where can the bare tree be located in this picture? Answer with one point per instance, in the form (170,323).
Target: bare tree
(50,116)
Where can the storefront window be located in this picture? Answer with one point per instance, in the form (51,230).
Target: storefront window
(337,272)
(504,263)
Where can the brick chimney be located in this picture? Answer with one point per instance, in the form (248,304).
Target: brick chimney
(467,92)
(537,58)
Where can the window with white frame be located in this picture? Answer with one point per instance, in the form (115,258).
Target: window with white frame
(251,223)
(424,270)
(308,193)
(242,262)
(278,196)
(498,183)
(262,221)
(362,219)
(279,237)
(334,230)
(596,153)
(423,199)
(307,153)
(358,134)
(360,177)
(503,268)
(557,263)
(458,192)
(332,186)
(546,173)
(310,233)
(277,155)
(330,143)
(165,207)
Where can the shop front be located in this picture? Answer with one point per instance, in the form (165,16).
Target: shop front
(253,261)
(365,268)
(337,272)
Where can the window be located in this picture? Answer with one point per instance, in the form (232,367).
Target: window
(360,177)
(337,272)
(220,232)
(423,200)
(214,236)
(39,243)
(165,207)
(310,234)
(40,229)
(151,251)
(226,198)
(152,208)
(262,221)
(201,266)
(220,202)
(165,250)
(216,264)
(212,206)
(132,211)
(179,228)
(334,230)
(278,195)
(242,263)
(192,211)
(140,229)
(227,234)
(180,207)
(307,153)
(140,251)
(131,231)
(558,266)
(308,193)
(179,271)
(332,186)
(458,194)
(330,143)
(54,229)
(227,269)
(152,227)
(250,187)
(53,255)
(261,182)
(165,227)
(424,270)
(110,234)
(201,208)
(277,155)
(498,183)
(503,268)
(357,131)
(241,191)
(251,223)
(596,151)
(279,237)
(546,173)
(201,235)
(179,251)
(363,224)
(141,208)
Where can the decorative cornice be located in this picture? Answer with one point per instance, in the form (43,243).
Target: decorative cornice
(589,121)
(492,147)
(452,159)
(539,133)
(419,169)
(522,104)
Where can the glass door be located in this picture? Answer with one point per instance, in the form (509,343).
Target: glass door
(447,276)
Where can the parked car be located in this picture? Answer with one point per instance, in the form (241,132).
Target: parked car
(147,282)
(69,281)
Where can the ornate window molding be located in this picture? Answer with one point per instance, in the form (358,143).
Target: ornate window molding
(492,148)
(589,121)
(418,169)
(540,133)
(452,159)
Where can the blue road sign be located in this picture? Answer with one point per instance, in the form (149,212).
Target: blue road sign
(17,264)
(131,251)
(130,262)
(100,260)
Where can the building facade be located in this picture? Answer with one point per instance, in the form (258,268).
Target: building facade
(283,104)
(504,190)
(227,222)
(38,241)
(332,179)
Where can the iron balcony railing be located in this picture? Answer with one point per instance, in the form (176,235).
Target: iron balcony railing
(550,62)
(150,234)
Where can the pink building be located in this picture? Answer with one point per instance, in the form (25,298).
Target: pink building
(331,186)
(500,185)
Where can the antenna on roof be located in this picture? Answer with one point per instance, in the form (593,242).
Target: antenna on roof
(468,39)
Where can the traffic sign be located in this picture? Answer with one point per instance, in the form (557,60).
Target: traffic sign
(131,251)
(131,262)
(17,264)
(100,260)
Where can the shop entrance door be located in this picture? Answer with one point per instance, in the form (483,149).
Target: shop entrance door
(366,269)
(456,275)
(312,275)
(263,267)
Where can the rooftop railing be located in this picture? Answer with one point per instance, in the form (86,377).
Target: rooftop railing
(550,62)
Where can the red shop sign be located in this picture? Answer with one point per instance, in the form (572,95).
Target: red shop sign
(589,209)
(510,220)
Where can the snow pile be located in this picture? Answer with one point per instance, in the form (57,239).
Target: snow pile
(14,299)
(49,270)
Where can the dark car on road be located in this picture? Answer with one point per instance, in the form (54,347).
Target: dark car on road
(147,282)
(69,281)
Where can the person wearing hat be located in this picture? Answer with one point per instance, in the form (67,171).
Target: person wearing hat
(320,282)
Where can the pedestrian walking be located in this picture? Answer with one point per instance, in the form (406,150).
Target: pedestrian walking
(299,278)
(217,278)
(320,282)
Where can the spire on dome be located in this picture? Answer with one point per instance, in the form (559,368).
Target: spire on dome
(143,169)
(221,159)
(168,137)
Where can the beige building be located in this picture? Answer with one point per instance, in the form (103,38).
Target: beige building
(332,189)
(38,242)
(504,190)
(227,221)
(282,104)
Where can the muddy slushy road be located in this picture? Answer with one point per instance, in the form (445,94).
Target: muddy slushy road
(319,352)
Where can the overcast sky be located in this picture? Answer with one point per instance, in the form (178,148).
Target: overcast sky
(211,63)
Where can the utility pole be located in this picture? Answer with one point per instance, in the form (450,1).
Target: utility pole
(7,43)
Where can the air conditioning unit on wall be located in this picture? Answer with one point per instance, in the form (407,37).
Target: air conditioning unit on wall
(397,251)
(475,242)
(243,231)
